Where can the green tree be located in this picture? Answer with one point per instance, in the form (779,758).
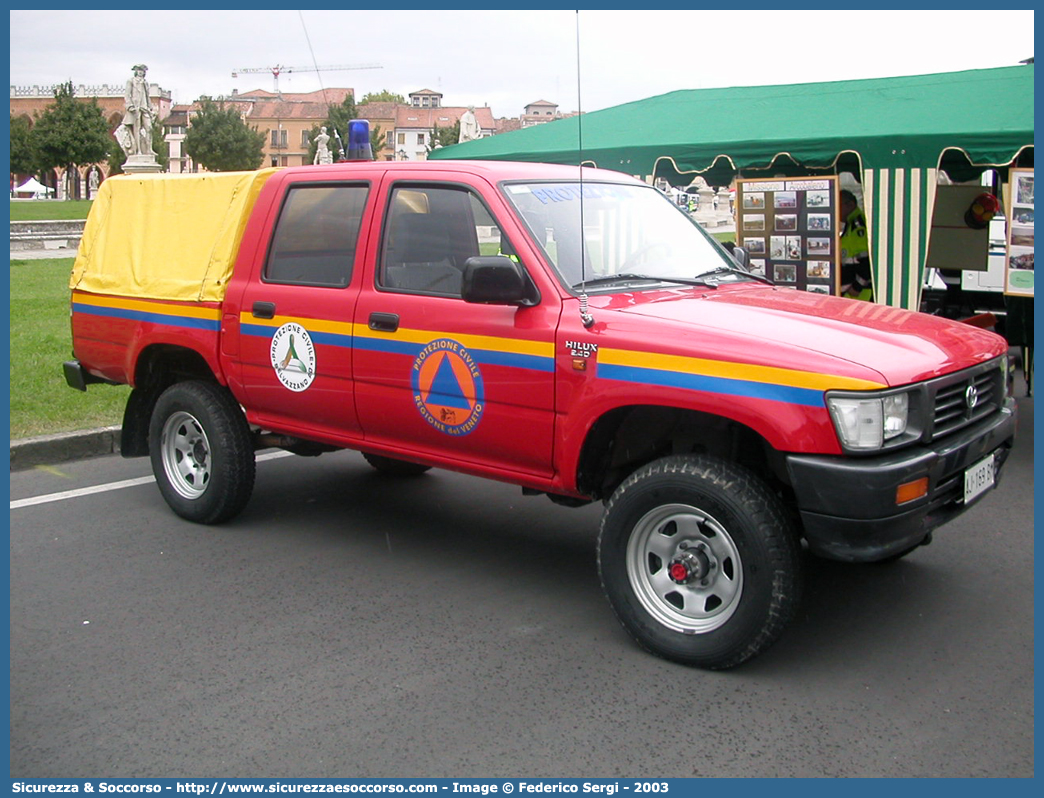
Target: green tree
(384,96)
(160,145)
(23,147)
(219,140)
(376,140)
(70,132)
(444,136)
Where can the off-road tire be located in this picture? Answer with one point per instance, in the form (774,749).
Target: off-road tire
(699,561)
(202,452)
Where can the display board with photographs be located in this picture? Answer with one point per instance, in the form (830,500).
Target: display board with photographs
(1018,271)
(790,229)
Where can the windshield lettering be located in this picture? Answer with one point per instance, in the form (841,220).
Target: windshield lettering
(572,193)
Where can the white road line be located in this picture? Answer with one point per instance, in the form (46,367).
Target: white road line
(126,483)
(72,494)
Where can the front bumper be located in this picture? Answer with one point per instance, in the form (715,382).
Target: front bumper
(848,505)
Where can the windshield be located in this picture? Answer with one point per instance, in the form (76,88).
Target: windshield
(630,232)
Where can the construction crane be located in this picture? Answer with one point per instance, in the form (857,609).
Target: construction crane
(279,69)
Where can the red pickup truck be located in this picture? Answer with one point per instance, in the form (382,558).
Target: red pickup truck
(571,333)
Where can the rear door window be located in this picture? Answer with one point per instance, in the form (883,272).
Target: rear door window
(316,236)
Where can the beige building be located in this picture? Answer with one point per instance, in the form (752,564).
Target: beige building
(535,113)
(174,128)
(539,112)
(410,137)
(286,120)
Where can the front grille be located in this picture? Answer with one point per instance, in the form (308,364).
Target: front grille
(965,397)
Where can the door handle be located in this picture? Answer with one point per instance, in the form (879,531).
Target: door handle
(263,310)
(384,322)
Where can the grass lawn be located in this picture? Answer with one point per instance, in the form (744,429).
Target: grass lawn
(41,402)
(37,210)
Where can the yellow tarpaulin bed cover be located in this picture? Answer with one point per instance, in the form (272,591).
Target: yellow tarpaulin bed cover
(166,236)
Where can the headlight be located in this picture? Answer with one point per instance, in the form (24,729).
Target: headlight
(867,423)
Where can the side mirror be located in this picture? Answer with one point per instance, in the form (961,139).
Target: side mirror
(493,280)
(742,257)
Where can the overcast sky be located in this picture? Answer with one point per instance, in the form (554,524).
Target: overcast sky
(506,59)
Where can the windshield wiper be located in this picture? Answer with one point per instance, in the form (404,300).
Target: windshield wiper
(734,270)
(628,277)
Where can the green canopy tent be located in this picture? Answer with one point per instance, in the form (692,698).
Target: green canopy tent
(894,133)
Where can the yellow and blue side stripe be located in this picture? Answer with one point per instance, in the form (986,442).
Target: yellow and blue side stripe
(790,386)
(720,377)
(331,333)
(188,316)
(485,349)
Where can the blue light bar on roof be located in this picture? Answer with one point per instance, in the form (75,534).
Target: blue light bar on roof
(359,140)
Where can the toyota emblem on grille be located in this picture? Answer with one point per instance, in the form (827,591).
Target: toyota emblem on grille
(971,397)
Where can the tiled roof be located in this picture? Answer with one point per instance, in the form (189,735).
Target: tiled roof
(382,110)
(506,125)
(261,105)
(284,110)
(408,116)
(193,108)
(333,96)
(177,116)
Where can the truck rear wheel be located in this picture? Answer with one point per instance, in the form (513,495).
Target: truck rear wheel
(699,561)
(202,453)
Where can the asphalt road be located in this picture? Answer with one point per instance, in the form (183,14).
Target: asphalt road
(352,625)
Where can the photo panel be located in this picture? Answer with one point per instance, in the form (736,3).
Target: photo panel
(1018,271)
(791,226)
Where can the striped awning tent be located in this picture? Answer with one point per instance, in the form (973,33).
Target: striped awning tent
(897,134)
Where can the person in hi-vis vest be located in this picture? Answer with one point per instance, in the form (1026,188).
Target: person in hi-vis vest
(855,250)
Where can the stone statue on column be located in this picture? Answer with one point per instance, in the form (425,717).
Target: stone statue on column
(724,206)
(469,126)
(322,148)
(135,132)
(706,216)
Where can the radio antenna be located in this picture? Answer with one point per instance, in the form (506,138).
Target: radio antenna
(585,317)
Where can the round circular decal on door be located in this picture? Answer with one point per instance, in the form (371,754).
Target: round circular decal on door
(293,356)
(447,387)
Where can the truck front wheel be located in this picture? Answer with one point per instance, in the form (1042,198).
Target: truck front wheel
(202,453)
(699,561)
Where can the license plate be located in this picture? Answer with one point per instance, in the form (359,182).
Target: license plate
(978,479)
